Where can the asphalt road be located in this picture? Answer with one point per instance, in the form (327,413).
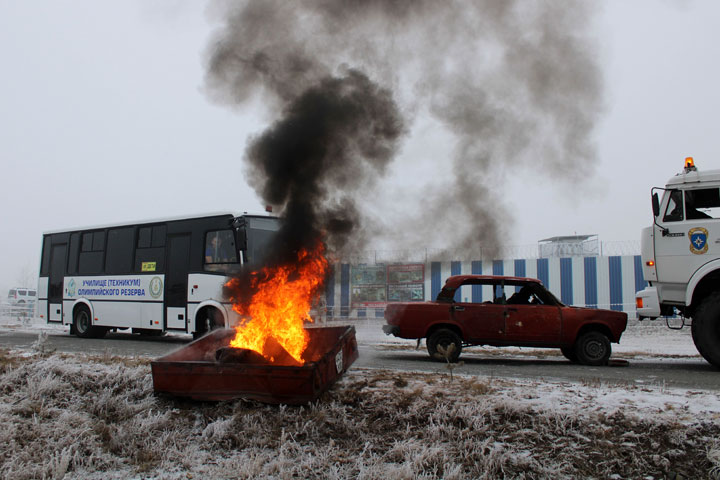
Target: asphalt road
(656,371)
(689,373)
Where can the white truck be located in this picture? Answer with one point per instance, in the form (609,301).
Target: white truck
(681,256)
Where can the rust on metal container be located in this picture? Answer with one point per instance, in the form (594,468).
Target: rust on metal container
(207,369)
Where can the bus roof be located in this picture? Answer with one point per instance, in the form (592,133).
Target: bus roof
(158,220)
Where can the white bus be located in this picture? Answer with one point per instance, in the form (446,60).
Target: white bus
(152,277)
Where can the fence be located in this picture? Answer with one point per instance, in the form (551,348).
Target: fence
(425,255)
(18,313)
(363,289)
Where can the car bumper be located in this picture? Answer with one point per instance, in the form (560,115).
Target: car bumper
(391,330)
(647,303)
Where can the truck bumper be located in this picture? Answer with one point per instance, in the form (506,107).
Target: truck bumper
(648,305)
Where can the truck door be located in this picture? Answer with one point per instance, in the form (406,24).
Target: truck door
(176,281)
(690,218)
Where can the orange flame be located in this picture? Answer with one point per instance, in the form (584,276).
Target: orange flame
(280,306)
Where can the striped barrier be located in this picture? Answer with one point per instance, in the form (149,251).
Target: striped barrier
(595,281)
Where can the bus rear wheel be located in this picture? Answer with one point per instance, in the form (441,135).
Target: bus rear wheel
(706,329)
(208,319)
(82,324)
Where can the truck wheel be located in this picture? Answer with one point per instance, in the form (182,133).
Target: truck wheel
(569,353)
(593,348)
(446,340)
(706,329)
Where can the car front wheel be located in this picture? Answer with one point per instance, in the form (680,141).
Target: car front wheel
(593,348)
(569,353)
(444,345)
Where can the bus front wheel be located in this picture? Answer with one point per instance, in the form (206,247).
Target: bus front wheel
(82,324)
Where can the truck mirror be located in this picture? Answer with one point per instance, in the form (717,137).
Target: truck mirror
(655,204)
(241,239)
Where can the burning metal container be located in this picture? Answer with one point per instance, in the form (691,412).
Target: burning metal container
(209,369)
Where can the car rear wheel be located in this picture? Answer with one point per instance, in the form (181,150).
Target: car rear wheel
(444,345)
(593,348)
(569,353)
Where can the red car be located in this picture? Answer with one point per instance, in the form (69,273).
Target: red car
(521,313)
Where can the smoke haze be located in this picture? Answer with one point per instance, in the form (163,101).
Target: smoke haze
(514,84)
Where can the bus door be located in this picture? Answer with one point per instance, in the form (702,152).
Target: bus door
(176,281)
(58,254)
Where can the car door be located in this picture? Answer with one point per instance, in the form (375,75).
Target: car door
(533,316)
(539,324)
(482,322)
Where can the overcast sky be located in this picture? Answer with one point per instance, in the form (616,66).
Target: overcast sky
(104,118)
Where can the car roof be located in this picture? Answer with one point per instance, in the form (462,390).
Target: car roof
(457,280)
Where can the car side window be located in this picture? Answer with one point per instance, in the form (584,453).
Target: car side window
(499,295)
(524,296)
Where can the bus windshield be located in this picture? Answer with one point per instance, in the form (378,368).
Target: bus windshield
(259,234)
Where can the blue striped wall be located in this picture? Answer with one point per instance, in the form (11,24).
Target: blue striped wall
(456,269)
(566,281)
(640,282)
(597,281)
(615,269)
(344,290)
(476,269)
(543,271)
(435,279)
(591,283)
(497,267)
(519,270)
(330,292)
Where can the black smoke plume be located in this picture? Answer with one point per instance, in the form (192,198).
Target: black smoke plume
(330,140)
(513,83)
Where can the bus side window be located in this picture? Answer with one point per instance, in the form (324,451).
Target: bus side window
(220,249)
(92,253)
(73,254)
(150,251)
(119,251)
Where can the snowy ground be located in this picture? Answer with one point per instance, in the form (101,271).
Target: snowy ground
(75,416)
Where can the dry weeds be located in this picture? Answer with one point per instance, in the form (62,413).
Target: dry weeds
(68,416)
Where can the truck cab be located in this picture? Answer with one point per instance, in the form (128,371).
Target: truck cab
(681,256)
